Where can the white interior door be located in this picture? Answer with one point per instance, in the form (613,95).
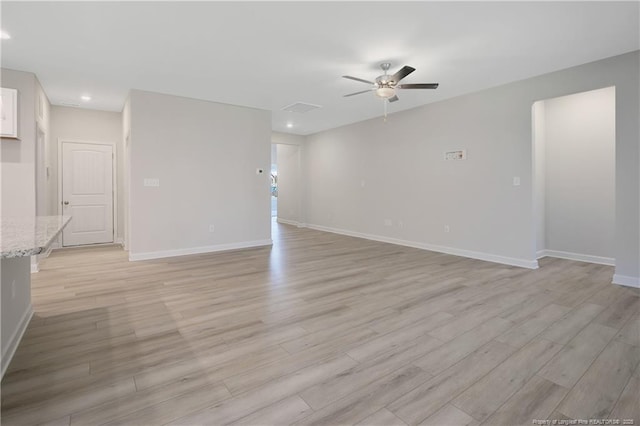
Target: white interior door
(87,193)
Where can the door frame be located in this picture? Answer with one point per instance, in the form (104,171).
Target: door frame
(42,159)
(42,172)
(114,178)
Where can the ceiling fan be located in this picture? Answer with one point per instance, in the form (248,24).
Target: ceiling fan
(386,85)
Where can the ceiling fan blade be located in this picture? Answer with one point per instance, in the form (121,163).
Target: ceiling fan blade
(358,79)
(404,71)
(393,98)
(358,93)
(418,86)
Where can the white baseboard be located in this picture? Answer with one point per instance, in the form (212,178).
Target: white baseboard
(512,261)
(288,222)
(9,351)
(626,281)
(292,222)
(577,256)
(197,250)
(119,241)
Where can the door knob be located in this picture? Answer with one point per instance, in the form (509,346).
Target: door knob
(66,203)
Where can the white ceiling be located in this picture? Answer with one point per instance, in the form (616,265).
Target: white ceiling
(268,55)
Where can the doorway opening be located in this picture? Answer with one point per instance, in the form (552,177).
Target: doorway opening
(574,176)
(274,181)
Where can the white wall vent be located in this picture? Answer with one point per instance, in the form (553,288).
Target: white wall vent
(301,107)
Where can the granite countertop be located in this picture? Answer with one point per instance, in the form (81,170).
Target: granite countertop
(28,236)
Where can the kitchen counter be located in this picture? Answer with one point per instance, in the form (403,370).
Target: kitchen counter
(20,238)
(26,237)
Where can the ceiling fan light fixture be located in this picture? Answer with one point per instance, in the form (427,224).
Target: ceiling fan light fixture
(385,92)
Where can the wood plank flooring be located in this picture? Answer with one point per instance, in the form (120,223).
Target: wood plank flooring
(322,329)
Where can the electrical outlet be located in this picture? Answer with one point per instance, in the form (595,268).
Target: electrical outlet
(446,228)
(212,228)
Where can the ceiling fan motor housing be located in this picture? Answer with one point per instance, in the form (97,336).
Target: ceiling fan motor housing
(384,81)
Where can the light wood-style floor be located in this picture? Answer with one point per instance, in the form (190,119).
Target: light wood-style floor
(322,329)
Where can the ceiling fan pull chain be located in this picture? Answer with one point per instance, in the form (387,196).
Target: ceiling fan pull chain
(385,101)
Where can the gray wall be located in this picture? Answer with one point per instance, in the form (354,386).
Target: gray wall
(18,156)
(126,150)
(43,182)
(390,178)
(84,125)
(289,183)
(205,156)
(540,175)
(580,173)
(361,176)
(286,138)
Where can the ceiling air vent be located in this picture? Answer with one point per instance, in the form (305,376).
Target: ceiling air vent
(300,107)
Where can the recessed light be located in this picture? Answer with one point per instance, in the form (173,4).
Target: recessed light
(4,35)
(289,125)
(85,98)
